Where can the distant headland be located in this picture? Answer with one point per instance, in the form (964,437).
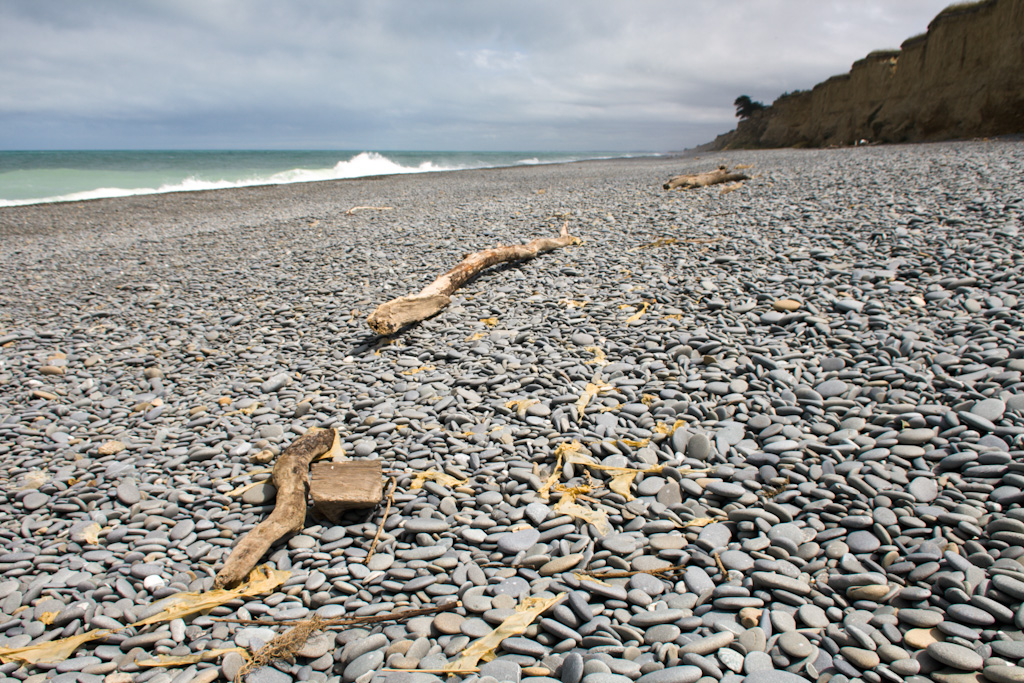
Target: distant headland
(962,78)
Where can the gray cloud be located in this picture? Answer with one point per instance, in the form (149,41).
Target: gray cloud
(399,74)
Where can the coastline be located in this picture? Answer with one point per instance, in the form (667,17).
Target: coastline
(198,330)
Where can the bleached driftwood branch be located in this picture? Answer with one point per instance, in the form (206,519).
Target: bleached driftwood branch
(392,316)
(691,180)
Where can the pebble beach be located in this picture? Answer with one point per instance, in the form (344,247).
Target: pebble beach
(784,418)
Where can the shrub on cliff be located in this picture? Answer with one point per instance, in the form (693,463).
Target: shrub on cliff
(745,107)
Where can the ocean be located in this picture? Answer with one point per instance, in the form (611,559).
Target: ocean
(61,176)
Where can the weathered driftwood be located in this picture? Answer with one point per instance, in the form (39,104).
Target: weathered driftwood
(397,313)
(340,486)
(691,180)
(291,477)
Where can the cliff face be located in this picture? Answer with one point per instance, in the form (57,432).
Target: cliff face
(963,78)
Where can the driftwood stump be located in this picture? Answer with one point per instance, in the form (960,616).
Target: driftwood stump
(392,316)
(692,180)
(340,486)
(291,477)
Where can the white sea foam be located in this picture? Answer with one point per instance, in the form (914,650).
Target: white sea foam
(361,165)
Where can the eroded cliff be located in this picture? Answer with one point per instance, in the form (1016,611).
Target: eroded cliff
(964,77)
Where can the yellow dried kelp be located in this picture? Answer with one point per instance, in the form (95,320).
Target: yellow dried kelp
(261,580)
(567,505)
(699,521)
(639,314)
(484,648)
(91,533)
(185,660)
(521,405)
(51,652)
(599,357)
(415,371)
(561,451)
(589,392)
(573,453)
(433,475)
(662,428)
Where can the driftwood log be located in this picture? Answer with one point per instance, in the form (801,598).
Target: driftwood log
(291,477)
(392,316)
(691,180)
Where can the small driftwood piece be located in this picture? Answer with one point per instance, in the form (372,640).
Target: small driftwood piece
(692,180)
(340,486)
(392,316)
(291,477)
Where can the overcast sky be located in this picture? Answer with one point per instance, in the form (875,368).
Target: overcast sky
(581,75)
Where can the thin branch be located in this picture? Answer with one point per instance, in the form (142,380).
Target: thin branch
(387,509)
(627,574)
(354,209)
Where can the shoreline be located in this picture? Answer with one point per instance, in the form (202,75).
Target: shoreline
(815,379)
(182,178)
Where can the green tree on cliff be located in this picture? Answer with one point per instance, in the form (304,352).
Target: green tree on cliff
(745,107)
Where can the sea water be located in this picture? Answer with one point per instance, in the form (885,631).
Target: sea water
(59,176)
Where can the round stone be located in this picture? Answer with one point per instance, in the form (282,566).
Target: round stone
(426,525)
(861,658)
(832,387)
(920,618)
(795,644)
(514,586)
(990,408)
(812,616)
(672,674)
(970,615)
(699,447)
(517,541)
(863,542)
(916,436)
(1004,673)
(448,623)
(921,638)
(956,656)
(923,489)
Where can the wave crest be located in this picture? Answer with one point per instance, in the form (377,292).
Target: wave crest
(361,165)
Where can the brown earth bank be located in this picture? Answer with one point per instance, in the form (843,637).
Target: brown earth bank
(963,78)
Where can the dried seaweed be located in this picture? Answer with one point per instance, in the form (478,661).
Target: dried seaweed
(441,478)
(639,314)
(261,580)
(286,645)
(594,576)
(669,430)
(699,521)
(567,505)
(484,648)
(416,371)
(521,405)
(589,393)
(283,646)
(51,652)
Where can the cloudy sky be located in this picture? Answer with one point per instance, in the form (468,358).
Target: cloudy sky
(578,75)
